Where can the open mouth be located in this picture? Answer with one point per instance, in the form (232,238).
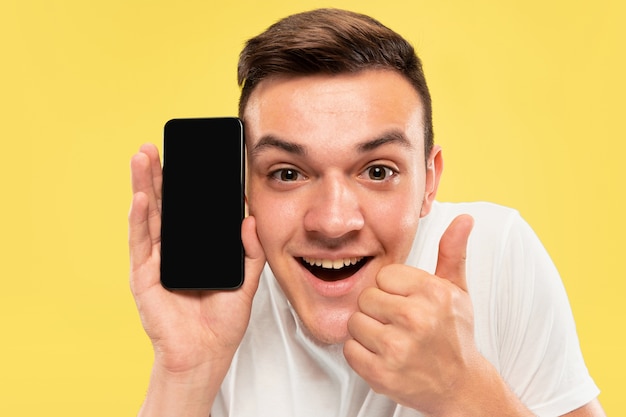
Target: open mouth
(333,270)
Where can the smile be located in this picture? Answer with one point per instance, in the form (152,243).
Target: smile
(332,264)
(334,269)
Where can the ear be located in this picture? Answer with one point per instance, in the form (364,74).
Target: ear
(434,168)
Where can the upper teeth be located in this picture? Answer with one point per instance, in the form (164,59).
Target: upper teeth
(332,264)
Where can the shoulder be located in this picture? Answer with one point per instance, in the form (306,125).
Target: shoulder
(496,227)
(485,213)
(491,222)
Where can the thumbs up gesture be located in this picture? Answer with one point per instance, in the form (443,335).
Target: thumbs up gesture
(413,334)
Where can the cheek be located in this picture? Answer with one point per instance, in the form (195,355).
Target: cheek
(277,219)
(395,219)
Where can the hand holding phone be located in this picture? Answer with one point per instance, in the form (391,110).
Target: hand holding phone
(202,203)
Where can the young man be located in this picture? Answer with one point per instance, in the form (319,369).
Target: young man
(363,296)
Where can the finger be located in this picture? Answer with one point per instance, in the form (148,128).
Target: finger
(152,152)
(139,242)
(255,256)
(358,357)
(401,279)
(380,305)
(144,255)
(144,222)
(146,174)
(453,251)
(366,330)
(143,180)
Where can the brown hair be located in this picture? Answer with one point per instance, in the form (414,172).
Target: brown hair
(330,41)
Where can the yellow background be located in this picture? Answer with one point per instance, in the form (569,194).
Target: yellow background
(529,107)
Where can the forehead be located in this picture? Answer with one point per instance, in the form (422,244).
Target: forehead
(320,108)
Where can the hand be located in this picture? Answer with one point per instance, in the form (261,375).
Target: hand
(188,329)
(413,336)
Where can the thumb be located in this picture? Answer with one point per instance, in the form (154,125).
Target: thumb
(255,256)
(453,250)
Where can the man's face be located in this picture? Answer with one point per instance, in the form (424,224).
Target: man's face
(337,183)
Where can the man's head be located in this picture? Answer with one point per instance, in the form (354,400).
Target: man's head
(331,41)
(338,171)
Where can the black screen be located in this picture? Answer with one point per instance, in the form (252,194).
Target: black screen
(203,204)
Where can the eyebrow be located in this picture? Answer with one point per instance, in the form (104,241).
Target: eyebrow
(389,137)
(271,141)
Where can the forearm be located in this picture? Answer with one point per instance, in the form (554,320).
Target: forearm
(188,394)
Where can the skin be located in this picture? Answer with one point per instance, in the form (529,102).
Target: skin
(327,156)
(336,171)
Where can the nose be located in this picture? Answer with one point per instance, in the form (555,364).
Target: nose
(335,209)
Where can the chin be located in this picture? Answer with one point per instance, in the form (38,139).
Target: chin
(331,339)
(329,331)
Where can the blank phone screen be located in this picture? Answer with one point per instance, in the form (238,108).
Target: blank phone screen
(203,204)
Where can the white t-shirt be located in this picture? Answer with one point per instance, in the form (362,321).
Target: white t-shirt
(523,326)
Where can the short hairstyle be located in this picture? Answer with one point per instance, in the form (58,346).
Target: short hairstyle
(331,41)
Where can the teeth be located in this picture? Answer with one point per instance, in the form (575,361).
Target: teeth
(332,264)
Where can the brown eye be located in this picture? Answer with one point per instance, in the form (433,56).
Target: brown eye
(379,172)
(286,175)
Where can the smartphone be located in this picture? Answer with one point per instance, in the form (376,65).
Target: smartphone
(203,204)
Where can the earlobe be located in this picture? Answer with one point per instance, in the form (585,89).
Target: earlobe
(434,168)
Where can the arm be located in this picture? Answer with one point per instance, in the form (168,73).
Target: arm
(413,340)
(194,333)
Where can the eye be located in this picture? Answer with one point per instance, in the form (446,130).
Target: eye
(286,175)
(379,172)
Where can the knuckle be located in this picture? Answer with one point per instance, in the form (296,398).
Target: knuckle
(397,352)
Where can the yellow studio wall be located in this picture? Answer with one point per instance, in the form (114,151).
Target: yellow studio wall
(528,100)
